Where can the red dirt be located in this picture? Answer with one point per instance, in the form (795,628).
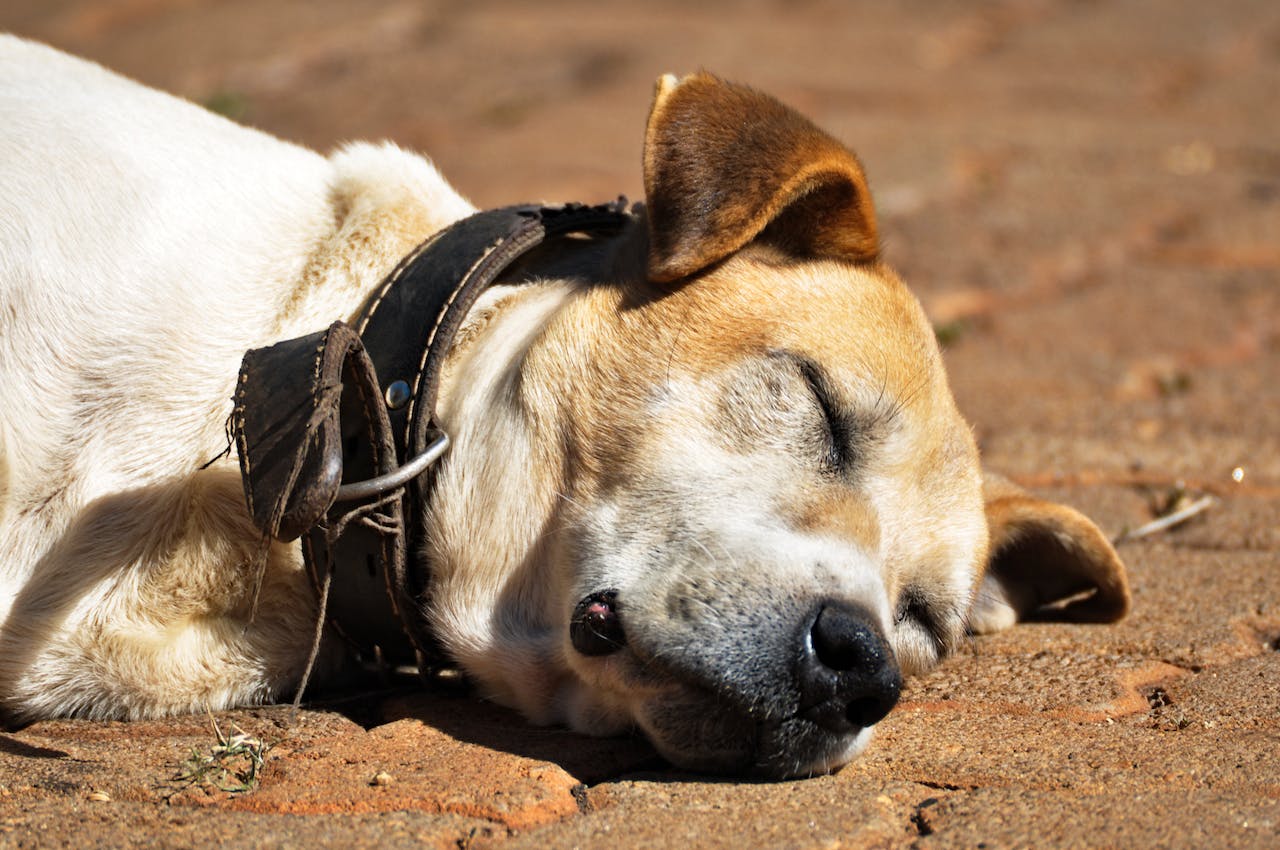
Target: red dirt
(1087,194)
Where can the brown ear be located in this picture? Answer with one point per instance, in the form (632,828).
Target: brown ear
(1047,561)
(725,164)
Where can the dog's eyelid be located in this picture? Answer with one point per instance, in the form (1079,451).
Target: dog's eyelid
(839,430)
(914,606)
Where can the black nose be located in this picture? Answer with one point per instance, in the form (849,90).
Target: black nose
(848,676)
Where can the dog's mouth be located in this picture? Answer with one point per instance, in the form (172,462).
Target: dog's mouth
(748,704)
(696,731)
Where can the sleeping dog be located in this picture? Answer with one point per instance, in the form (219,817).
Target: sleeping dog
(705,476)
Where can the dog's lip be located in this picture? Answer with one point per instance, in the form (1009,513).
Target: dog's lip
(834,751)
(767,735)
(653,676)
(765,754)
(764,757)
(828,751)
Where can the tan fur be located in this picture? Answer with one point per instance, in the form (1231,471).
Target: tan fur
(733,413)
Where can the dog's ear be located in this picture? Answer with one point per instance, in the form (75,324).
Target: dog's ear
(724,165)
(1047,561)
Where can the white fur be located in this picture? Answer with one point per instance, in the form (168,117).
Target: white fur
(145,244)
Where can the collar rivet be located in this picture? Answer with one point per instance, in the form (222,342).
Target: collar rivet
(397,395)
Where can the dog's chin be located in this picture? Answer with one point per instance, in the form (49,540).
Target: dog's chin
(705,736)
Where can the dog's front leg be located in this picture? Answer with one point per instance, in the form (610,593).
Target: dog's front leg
(151,603)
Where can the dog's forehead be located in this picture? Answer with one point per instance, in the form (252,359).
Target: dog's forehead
(859,323)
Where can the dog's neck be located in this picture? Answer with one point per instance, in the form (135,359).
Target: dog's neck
(506,421)
(493,469)
(382,202)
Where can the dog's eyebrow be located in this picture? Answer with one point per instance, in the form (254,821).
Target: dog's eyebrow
(869,420)
(811,370)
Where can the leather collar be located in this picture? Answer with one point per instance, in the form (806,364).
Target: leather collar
(336,430)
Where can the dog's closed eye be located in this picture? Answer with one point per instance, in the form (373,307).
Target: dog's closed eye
(922,630)
(789,402)
(838,453)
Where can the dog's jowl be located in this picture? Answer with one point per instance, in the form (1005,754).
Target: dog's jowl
(704,475)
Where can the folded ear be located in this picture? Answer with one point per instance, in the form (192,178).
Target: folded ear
(725,164)
(1047,561)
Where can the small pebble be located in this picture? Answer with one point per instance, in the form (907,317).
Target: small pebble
(100,796)
(381,779)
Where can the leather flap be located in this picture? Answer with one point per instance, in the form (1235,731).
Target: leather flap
(287,425)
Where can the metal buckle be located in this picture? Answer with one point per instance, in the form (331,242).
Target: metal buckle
(398,477)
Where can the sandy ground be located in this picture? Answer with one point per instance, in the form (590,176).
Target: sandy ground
(1086,195)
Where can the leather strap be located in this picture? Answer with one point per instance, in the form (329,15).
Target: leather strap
(286,422)
(301,432)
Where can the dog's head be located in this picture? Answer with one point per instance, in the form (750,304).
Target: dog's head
(728,497)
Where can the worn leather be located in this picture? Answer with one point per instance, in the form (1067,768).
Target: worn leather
(287,424)
(311,414)
(411,322)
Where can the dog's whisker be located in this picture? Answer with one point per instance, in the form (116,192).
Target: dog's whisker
(733,562)
(675,344)
(565,497)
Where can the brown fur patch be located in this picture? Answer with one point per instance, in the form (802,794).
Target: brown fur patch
(1043,552)
(725,164)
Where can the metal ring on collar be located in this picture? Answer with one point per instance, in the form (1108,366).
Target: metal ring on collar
(397,477)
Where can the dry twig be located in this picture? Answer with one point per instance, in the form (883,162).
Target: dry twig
(1168,521)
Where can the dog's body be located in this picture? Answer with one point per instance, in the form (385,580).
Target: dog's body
(737,419)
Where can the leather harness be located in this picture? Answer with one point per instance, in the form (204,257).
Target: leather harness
(337,430)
